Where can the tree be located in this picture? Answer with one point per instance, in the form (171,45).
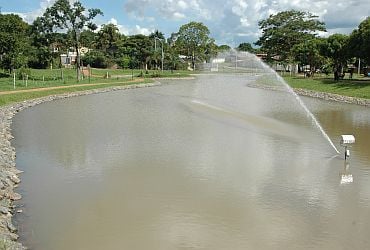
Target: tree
(156,34)
(87,39)
(309,53)
(359,41)
(335,48)
(282,31)
(192,40)
(70,17)
(223,48)
(108,39)
(246,47)
(139,48)
(14,42)
(158,41)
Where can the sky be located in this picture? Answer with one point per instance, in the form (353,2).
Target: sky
(230,22)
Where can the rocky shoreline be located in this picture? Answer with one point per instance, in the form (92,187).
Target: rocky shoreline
(9,175)
(316,94)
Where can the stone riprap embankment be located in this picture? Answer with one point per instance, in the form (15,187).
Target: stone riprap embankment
(315,94)
(333,97)
(9,175)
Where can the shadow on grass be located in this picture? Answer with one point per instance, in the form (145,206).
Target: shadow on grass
(347,83)
(4,75)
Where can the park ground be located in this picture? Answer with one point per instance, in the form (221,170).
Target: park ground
(49,82)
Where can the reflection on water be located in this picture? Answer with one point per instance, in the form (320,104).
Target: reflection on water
(346,176)
(208,164)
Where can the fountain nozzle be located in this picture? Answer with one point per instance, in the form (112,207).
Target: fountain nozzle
(346,141)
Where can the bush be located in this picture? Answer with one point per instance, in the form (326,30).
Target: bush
(96,59)
(23,72)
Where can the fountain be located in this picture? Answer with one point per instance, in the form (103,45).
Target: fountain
(245,62)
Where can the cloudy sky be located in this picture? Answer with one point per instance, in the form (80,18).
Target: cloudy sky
(230,21)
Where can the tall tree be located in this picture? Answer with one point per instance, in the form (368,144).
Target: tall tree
(158,41)
(336,48)
(193,40)
(309,53)
(359,42)
(87,39)
(71,17)
(14,42)
(139,48)
(282,31)
(108,39)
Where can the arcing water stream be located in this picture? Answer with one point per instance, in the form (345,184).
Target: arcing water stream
(247,62)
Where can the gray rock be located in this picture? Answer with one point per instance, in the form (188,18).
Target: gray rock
(4,210)
(11,227)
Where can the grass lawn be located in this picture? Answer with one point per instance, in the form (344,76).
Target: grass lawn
(357,87)
(18,97)
(51,78)
(46,78)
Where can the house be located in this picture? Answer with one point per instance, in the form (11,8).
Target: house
(70,57)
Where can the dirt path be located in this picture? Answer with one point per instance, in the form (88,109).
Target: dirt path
(64,87)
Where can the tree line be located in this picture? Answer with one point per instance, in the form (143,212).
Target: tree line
(292,37)
(66,27)
(288,37)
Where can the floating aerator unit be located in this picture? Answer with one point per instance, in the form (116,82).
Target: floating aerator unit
(347,141)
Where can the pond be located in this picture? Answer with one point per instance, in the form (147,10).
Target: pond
(205,164)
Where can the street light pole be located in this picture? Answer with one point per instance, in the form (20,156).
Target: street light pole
(155,47)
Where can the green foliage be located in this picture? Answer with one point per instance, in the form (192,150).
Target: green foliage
(108,39)
(23,73)
(223,48)
(70,17)
(282,31)
(124,62)
(246,47)
(139,48)
(96,59)
(193,41)
(14,42)
(308,53)
(359,41)
(335,47)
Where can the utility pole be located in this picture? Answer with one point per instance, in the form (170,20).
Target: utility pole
(155,48)
(359,66)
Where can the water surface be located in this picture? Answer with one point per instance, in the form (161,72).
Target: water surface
(203,164)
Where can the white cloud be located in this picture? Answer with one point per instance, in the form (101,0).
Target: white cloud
(178,15)
(230,21)
(128,31)
(29,17)
(237,20)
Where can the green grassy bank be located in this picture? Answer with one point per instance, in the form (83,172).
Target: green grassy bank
(18,97)
(63,77)
(357,87)
(40,80)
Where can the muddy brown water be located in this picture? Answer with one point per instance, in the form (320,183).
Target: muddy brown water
(202,164)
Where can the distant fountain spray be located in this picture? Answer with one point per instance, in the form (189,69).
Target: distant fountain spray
(244,62)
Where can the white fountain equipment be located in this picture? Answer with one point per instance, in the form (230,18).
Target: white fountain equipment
(346,141)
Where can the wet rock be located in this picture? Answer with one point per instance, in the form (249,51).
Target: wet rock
(15,179)
(11,227)
(15,196)
(4,210)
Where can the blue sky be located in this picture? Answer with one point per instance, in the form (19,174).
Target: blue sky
(230,21)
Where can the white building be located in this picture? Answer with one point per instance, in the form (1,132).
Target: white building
(69,59)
